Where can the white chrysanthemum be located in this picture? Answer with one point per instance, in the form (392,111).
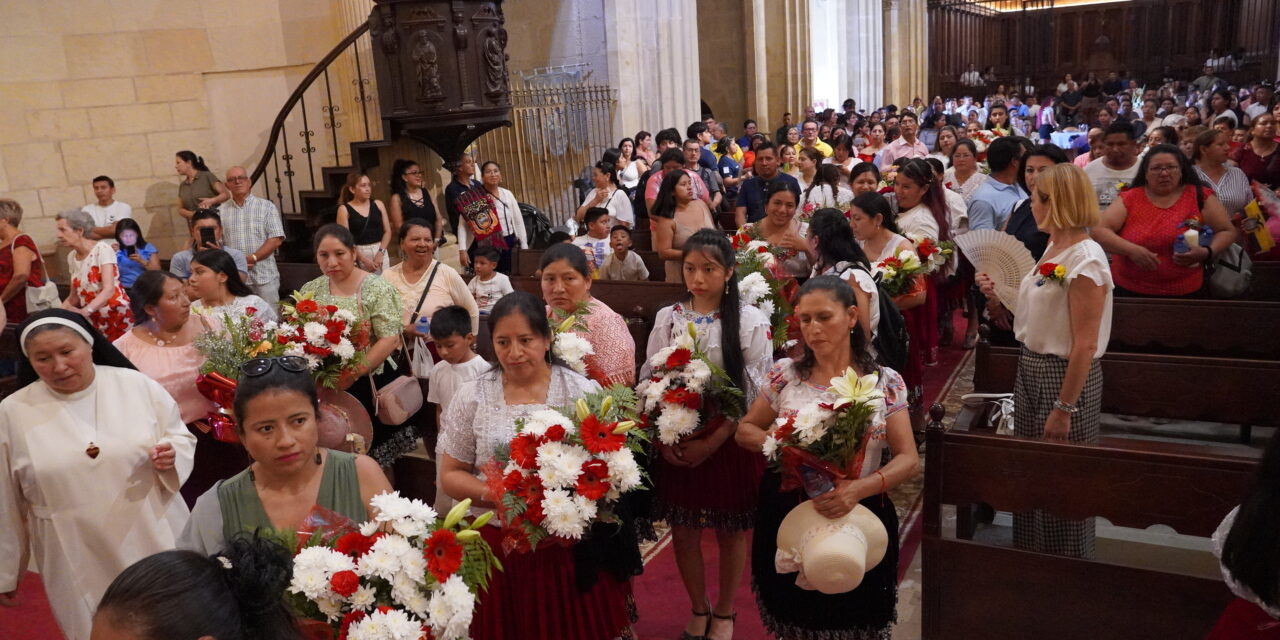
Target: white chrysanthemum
(556,501)
(417,603)
(294,349)
(624,472)
(660,358)
(566,524)
(572,349)
(403,588)
(753,288)
(390,506)
(559,464)
(754,246)
(770,447)
(414,566)
(364,598)
(811,424)
(313,558)
(451,608)
(653,394)
(315,333)
(368,528)
(675,422)
(345,316)
(697,375)
(385,558)
(330,606)
(312,582)
(386,625)
(313,362)
(766,306)
(344,349)
(586,507)
(269,326)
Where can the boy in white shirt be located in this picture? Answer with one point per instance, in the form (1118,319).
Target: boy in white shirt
(596,243)
(459,364)
(107,211)
(623,263)
(488,286)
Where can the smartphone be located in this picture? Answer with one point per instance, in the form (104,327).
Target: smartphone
(130,250)
(206,237)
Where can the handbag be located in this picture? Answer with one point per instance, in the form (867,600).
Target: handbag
(420,361)
(44,296)
(1231,273)
(400,399)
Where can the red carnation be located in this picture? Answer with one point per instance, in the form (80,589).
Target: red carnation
(555,433)
(443,554)
(787,428)
(598,437)
(332,309)
(593,482)
(1047,268)
(351,618)
(250,311)
(333,337)
(524,450)
(344,583)
(679,358)
(354,544)
(683,397)
(307,306)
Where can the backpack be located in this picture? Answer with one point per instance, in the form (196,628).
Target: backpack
(891,340)
(537,226)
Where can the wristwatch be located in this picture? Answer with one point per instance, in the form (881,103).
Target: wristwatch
(1069,408)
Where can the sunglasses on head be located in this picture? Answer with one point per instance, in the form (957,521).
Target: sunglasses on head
(260,366)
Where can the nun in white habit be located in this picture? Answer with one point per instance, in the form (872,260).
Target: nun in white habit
(92,454)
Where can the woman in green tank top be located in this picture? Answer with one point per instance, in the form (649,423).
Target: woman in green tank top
(275,411)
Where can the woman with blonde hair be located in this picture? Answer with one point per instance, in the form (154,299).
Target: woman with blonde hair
(1063,320)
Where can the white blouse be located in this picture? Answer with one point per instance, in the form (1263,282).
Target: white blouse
(919,222)
(509,216)
(262,310)
(754,336)
(1042,319)
(620,210)
(864,281)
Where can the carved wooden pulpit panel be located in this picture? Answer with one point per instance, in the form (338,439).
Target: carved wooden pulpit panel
(442,71)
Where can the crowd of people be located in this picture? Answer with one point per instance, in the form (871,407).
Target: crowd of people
(1104,211)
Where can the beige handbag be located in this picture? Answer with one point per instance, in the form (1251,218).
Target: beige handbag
(44,296)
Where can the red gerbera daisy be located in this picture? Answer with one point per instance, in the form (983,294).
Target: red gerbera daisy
(307,306)
(598,437)
(679,358)
(593,483)
(683,397)
(524,450)
(443,554)
(354,544)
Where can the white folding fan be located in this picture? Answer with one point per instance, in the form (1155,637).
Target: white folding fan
(1000,256)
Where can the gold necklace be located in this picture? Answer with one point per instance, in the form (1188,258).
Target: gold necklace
(155,335)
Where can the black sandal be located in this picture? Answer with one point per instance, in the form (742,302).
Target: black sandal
(685,635)
(732,618)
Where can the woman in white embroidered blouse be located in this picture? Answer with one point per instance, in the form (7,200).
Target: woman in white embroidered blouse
(965,175)
(1063,320)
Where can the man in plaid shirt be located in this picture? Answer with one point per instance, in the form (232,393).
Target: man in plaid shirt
(252,225)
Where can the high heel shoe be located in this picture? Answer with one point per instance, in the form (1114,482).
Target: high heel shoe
(732,618)
(685,635)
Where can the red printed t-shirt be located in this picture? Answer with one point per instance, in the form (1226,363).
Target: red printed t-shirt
(16,307)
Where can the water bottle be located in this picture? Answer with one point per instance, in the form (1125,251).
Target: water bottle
(423,325)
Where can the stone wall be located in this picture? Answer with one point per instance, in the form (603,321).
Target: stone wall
(116,87)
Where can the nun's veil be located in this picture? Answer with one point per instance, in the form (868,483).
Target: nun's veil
(104,353)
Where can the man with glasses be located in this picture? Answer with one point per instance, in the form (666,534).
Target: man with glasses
(809,139)
(692,157)
(253,226)
(1118,164)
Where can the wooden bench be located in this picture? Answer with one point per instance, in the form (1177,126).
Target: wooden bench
(1266,282)
(527,262)
(974,590)
(1225,328)
(295,274)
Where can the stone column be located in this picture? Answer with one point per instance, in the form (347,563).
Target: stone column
(654,69)
(864,57)
(906,49)
(779,75)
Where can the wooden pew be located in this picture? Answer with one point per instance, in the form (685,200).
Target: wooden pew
(528,260)
(295,274)
(1266,282)
(1224,328)
(1228,390)
(637,302)
(972,590)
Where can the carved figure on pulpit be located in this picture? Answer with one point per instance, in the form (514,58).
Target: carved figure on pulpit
(459,31)
(427,65)
(495,61)
(387,36)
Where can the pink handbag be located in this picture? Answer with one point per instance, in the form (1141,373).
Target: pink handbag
(396,402)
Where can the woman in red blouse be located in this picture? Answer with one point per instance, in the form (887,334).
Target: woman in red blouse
(1259,158)
(1142,227)
(20,263)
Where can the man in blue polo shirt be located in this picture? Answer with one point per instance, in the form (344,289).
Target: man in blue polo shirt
(750,204)
(992,203)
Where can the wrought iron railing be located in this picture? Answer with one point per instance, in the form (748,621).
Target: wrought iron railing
(338,94)
(560,127)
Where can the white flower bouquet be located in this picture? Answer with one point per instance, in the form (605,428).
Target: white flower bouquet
(686,392)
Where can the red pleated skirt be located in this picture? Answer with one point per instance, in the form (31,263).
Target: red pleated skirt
(535,597)
(1244,620)
(721,493)
(922,327)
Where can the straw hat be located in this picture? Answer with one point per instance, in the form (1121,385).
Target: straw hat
(831,555)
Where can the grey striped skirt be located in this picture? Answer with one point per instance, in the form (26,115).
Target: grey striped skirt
(1035,390)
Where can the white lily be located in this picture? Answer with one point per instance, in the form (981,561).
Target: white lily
(909,259)
(851,388)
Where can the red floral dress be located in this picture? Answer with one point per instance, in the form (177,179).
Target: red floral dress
(114,319)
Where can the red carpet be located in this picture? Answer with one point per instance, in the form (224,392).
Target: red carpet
(660,596)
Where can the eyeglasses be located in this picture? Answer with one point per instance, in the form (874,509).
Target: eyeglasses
(237,179)
(1165,169)
(260,366)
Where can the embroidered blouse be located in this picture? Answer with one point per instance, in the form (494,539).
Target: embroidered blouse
(754,336)
(788,394)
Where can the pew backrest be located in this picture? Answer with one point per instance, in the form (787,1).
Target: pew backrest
(527,262)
